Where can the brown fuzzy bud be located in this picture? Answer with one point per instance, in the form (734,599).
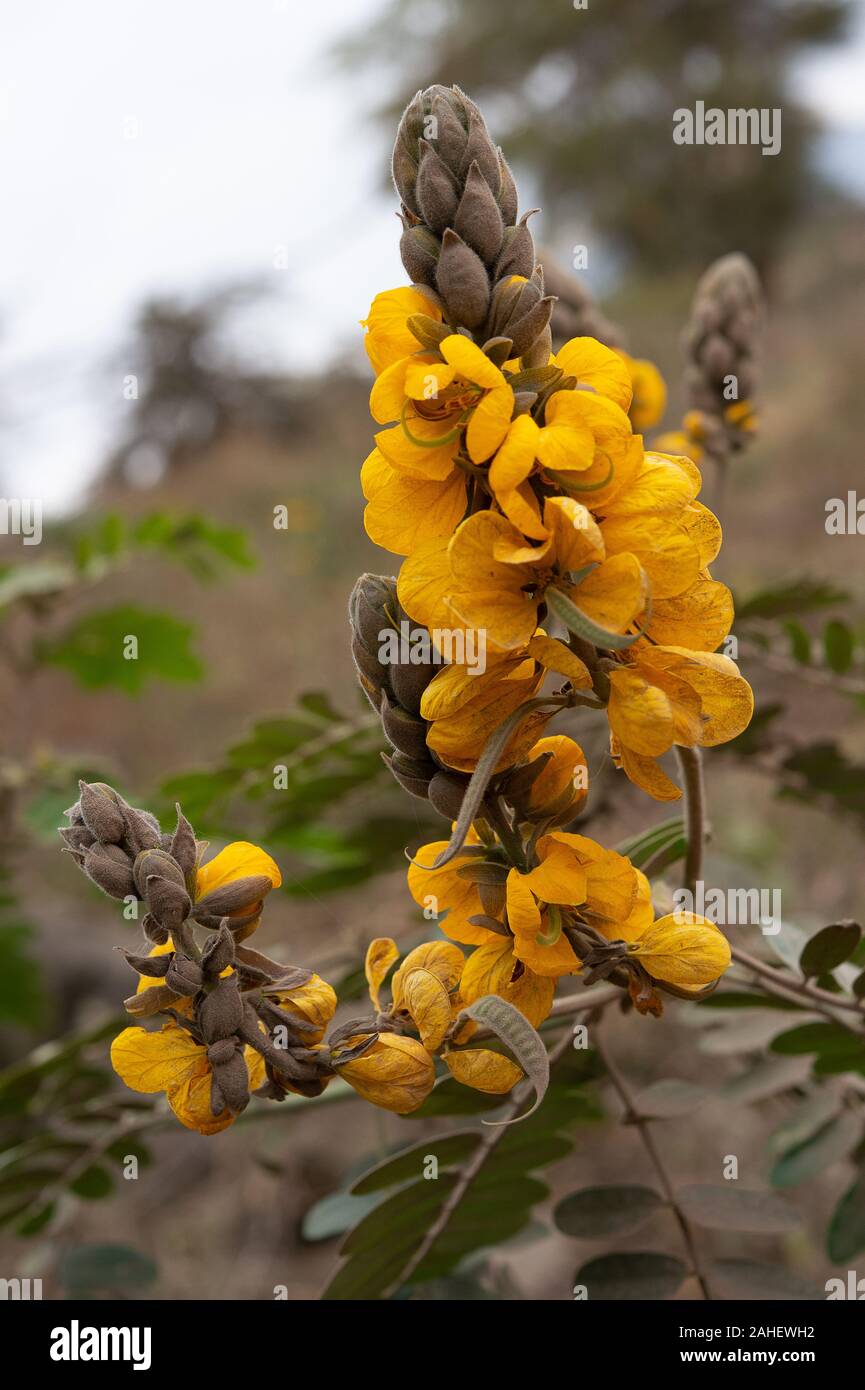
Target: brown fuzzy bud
(405,731)
(507,195)
(155,966)
(184,848)
(156,934)
(420,251)
(517,253)
(462,279)
(436,190)
(539,352)
(150,1001)
(110,868)
(446,791)
(156,861)
(218,953)
(184,976)
(478,219)
(220,1012)
(168,902)
(414,776)
(480,150)
(409,683)
(531,334)
(241,893)
(101,811)
(142,830)
(76,837)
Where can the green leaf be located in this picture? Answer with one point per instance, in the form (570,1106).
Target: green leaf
(336,1214)
(804,1120)
(93,1183)
(664,1100)
(577,622)
(657,848)
(518,1035)
(200,544)
(93,649)
(736,1209)
(829,948)
(800,642)
(87,1271)
(746,1279)
(596,1212)
(845,1238)
(838,646)
(795,597)
(447,1149)
(22,998)
(824,1038)
(832,1142)
(631,1277)
(768,1078)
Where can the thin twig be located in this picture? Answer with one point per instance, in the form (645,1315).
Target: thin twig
(691,766)
(490,1137)
(642,1124)
(779,983)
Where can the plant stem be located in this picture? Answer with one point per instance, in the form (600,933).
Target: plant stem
(494,813)
(491,1136)
(778,983)
(691,767)
(632,1115)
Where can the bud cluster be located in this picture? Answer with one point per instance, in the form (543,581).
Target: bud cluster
(224,995)
(721,346)
(461,236)
(395,691)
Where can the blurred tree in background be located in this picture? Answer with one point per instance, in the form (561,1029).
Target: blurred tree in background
(585,97)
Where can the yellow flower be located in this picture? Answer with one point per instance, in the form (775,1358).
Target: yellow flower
(494,582)
(575,873)
(173,1062)
(238,860)
(562,785)
(434,400)
(661,696)
(494,969)
(464,709)
(658,519)
(649,392)
(682,949)
(396,1073)
(388,336)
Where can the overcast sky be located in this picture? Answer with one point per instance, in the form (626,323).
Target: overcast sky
(155,146)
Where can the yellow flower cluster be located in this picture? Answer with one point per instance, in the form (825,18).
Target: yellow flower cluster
(519,493)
